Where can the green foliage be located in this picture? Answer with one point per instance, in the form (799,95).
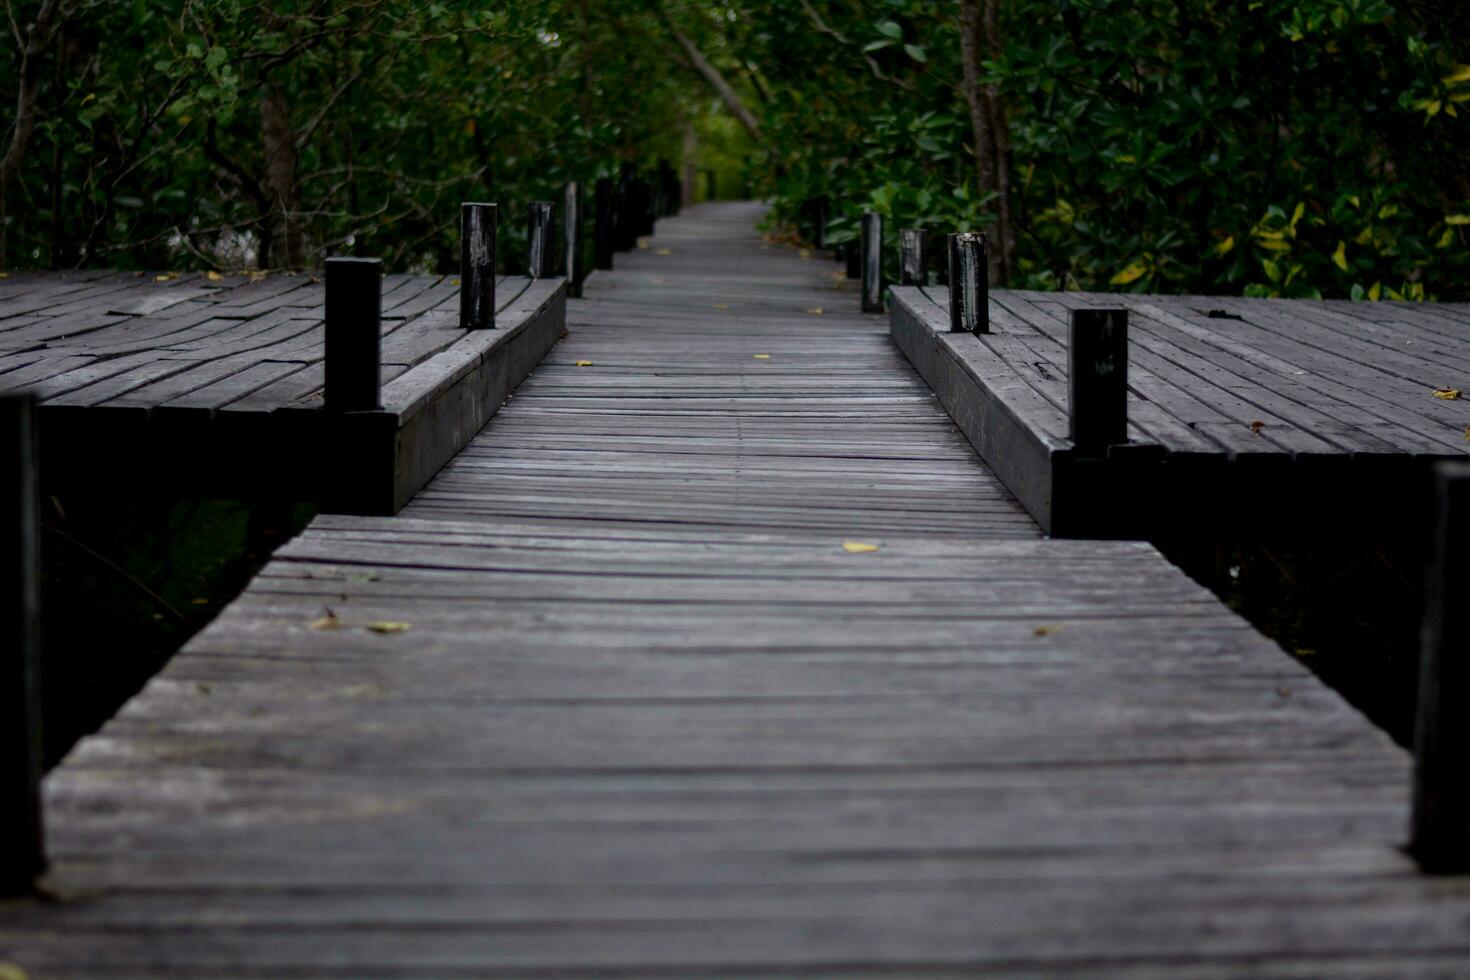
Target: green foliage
(1267,147)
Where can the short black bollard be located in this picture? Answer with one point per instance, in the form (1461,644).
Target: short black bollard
(912,260)
(819,222)
(23,854)
(647,212)
(625,224)
(1440,831)
(1097,380)
(872,262)
(541,251)
(711,185)
(354,334)
(571,232)
(603,239)
(477,265)
(853,257)
(969,284)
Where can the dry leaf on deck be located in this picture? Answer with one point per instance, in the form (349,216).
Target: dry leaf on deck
(213,276)
(1448,394)
(815,309)
(664,251)
(385,626)
(1257,426)
(583,364)
(722,306)
(1044,630)
(327,621)
(761,357)
(858,547)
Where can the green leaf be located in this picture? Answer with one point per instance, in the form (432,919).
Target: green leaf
(889,29)
(916,52)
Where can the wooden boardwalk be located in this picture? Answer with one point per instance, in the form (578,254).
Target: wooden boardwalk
(651,718)
(1252,408)
(212,385)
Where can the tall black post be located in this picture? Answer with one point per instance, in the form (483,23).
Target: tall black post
(571,233)
(817,208)
(969,284)
(477,265)
(541,257)
(1440,829)
(1097,380)
(603,239)
(912,260)
(354,334)
(625,226)
(852,257)
(872,262)
(711,185)
(643,208)
(22,838)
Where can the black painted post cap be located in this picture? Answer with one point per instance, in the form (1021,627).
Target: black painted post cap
(1440,826)
(22,838)
(969,283)
(477,225)
(354,316)
(1097,380)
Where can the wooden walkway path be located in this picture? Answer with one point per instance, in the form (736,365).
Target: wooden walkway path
(1254,408)
(651,718)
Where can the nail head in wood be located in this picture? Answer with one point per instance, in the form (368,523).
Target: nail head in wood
(1097,380)
(477,225)
(354,314)
(1440,825)
(22,840)
(969,284)
(872,244)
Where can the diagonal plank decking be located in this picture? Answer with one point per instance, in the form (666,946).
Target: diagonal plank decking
(651,719)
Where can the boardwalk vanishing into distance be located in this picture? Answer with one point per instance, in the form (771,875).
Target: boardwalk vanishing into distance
(719,652)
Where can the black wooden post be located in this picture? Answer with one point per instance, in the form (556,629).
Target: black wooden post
(872,262)
(571,224)
(354,334)
(541,252)
(625,227)
(1097,380)
(912,260)
(853,257)
(602,225)
(644,205)
(711,184)
(1440,830)
(477,265)
(22,840)
(969,284)
(817,207)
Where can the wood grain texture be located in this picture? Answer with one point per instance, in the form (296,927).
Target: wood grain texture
(215,387)
(650,719)
(1245,410)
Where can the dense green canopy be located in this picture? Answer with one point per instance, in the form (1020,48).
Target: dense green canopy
(1275,147)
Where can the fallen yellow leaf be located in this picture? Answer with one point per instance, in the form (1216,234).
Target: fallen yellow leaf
(761,357)
(9,971)
(1467,434)
(722,306)
(4,275)
(803,254)
(213,276)
(858,547)
(388,627)
(165,277)
(815,309)
(664,251)
(1448,394)
(199,602)
(583,364)
(1044,630)
(643,244)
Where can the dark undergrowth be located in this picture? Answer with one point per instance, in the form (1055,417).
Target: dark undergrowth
(1349,611)
(125,583)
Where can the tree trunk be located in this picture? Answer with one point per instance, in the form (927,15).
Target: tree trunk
(979,40)
(278,140)
(701,65)
(36,37)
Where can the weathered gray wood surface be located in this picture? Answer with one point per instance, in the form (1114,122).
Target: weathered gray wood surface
(1300,395)
(193,385)
(651,719)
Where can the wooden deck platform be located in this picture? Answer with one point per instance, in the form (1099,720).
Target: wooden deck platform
(1265,414)
(213,385)
(650,717)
